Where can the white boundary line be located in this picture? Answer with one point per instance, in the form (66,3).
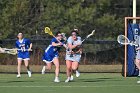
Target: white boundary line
(69,86)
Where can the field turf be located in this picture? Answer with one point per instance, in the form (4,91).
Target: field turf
(86,83)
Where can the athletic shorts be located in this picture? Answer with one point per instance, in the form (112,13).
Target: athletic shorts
(49,58)
(23,55)
(74,57)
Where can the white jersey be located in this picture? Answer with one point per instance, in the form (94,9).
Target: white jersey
(75,57)
(73,42)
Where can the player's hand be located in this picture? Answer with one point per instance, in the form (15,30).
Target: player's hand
(29,49)
(22,50)
(60,44)
(79,43)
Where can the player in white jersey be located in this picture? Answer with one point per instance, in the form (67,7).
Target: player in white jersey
(138,55)
(73,55)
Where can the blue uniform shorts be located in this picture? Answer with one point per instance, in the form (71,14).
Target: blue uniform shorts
(23,55)
(47,58)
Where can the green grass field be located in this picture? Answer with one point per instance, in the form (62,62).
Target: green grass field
(86,83)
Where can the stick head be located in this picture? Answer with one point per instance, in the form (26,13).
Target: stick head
(123,40)
(12,52)
(48,31)
(92,33)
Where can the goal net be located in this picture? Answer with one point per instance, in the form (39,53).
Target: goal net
(132,31)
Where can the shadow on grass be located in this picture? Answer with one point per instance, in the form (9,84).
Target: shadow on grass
(18,81)
(98,80)
(110,79)
(90,80)
(105,78)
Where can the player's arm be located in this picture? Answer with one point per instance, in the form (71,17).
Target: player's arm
(72,46)
(56,44)
(30,48)
(138,48)
(30,45)
(69,43)
(2,50)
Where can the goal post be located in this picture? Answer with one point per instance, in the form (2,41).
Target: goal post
(131,31)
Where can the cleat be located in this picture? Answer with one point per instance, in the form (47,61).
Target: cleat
(138,82)
(71,78)
(67,80)
(43,70)
(29,73)
(57,80)
(77,73)
(18,76)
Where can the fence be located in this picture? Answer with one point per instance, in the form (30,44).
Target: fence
(94,52)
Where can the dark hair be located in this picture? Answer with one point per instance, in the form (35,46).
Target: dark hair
(20,33)
(75,32)
(58,32)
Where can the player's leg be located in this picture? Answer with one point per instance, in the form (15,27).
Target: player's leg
(71,77)
(57,69)
(47,60)
(26,62)
(76,72)
(75,66)
(19,67)
(138,65)
(68,70)
(48,67)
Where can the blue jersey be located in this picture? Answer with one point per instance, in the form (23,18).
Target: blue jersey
(24,44)
(51,51)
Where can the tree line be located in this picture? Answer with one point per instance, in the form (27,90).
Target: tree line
(31,16)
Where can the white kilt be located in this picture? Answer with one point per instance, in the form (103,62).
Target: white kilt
(75,57)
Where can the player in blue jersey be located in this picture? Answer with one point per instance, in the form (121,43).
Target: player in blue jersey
(51,55)
(23,47)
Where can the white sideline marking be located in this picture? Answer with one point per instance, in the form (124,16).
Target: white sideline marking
(70,86)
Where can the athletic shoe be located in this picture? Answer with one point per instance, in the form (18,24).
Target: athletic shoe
(43,70)
(29,73)
(67,80)
(139,75)
(138,81)
(71,78)
(77,73)
(56,79)
(18,76)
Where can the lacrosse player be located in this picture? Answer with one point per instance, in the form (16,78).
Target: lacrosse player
(137,62)
(73,55)
(24,46)
(51,55)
